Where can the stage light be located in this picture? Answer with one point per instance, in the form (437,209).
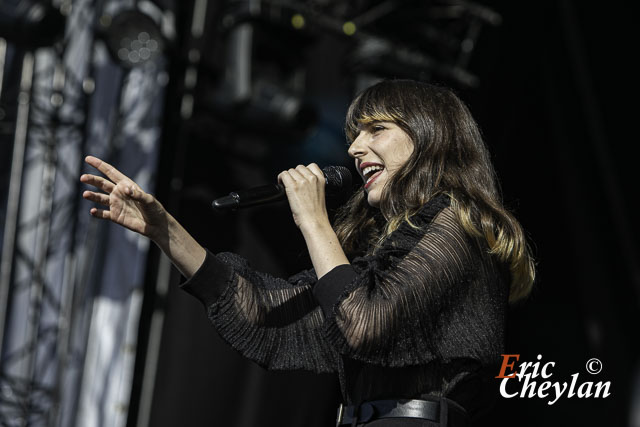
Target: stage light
(263,85)
(297,21)
(349,28)
(132,38)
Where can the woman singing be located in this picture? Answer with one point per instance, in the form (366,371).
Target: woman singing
(409,289)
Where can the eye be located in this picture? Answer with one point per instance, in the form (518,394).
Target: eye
(377,128)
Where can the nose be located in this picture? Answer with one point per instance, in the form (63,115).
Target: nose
(357,147)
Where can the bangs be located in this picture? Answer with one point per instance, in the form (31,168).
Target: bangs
(373,105)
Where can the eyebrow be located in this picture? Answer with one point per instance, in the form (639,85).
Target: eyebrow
(367,124)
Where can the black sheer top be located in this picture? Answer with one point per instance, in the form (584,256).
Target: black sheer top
(424,314)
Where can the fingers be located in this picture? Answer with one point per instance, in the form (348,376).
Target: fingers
(312,173)
(315,169)
(98,182)
(299,175)
(285,178)
(306,173)
(100,213)
(305,193)
(103,199)
(292,179)
(112,173)
(302,174)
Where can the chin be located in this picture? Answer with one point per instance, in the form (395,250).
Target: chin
(373,200)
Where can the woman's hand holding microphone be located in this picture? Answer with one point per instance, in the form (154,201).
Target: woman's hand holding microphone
(304,186)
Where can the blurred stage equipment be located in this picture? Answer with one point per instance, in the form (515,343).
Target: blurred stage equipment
(31,23)
(431,40)
(52,295)
(263,78)
(136,36)
(263,83)
(26,394)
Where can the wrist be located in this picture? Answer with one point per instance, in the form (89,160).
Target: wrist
(186,254)
(163,230)
(315,225)
(324,247)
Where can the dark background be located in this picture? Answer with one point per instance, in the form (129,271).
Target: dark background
(556,103)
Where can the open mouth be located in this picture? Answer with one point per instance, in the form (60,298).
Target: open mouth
(370,172)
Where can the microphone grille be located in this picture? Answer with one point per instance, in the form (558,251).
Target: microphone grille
(338,178)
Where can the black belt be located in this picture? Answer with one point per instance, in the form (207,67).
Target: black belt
(444,411)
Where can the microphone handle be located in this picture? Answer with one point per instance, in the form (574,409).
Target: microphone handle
(251,197)
(257,196)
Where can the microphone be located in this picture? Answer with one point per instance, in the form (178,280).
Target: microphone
(337,178)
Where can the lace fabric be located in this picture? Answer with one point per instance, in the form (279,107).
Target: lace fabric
(430,294)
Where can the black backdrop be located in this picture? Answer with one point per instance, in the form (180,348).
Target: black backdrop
(556,104)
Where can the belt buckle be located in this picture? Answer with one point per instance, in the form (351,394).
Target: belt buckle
(340,414)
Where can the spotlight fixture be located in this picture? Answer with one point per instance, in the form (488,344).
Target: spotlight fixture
(263,84)
(132,38)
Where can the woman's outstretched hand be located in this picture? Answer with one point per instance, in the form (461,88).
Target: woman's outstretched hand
(128,205)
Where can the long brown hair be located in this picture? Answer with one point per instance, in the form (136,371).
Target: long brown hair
(450,157)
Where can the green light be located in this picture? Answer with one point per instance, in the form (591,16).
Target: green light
(349,28)
(297,21)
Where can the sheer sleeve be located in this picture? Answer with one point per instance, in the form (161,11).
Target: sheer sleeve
(429,292)
(272,321)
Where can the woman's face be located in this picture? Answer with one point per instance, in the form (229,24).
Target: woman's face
(380,149)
